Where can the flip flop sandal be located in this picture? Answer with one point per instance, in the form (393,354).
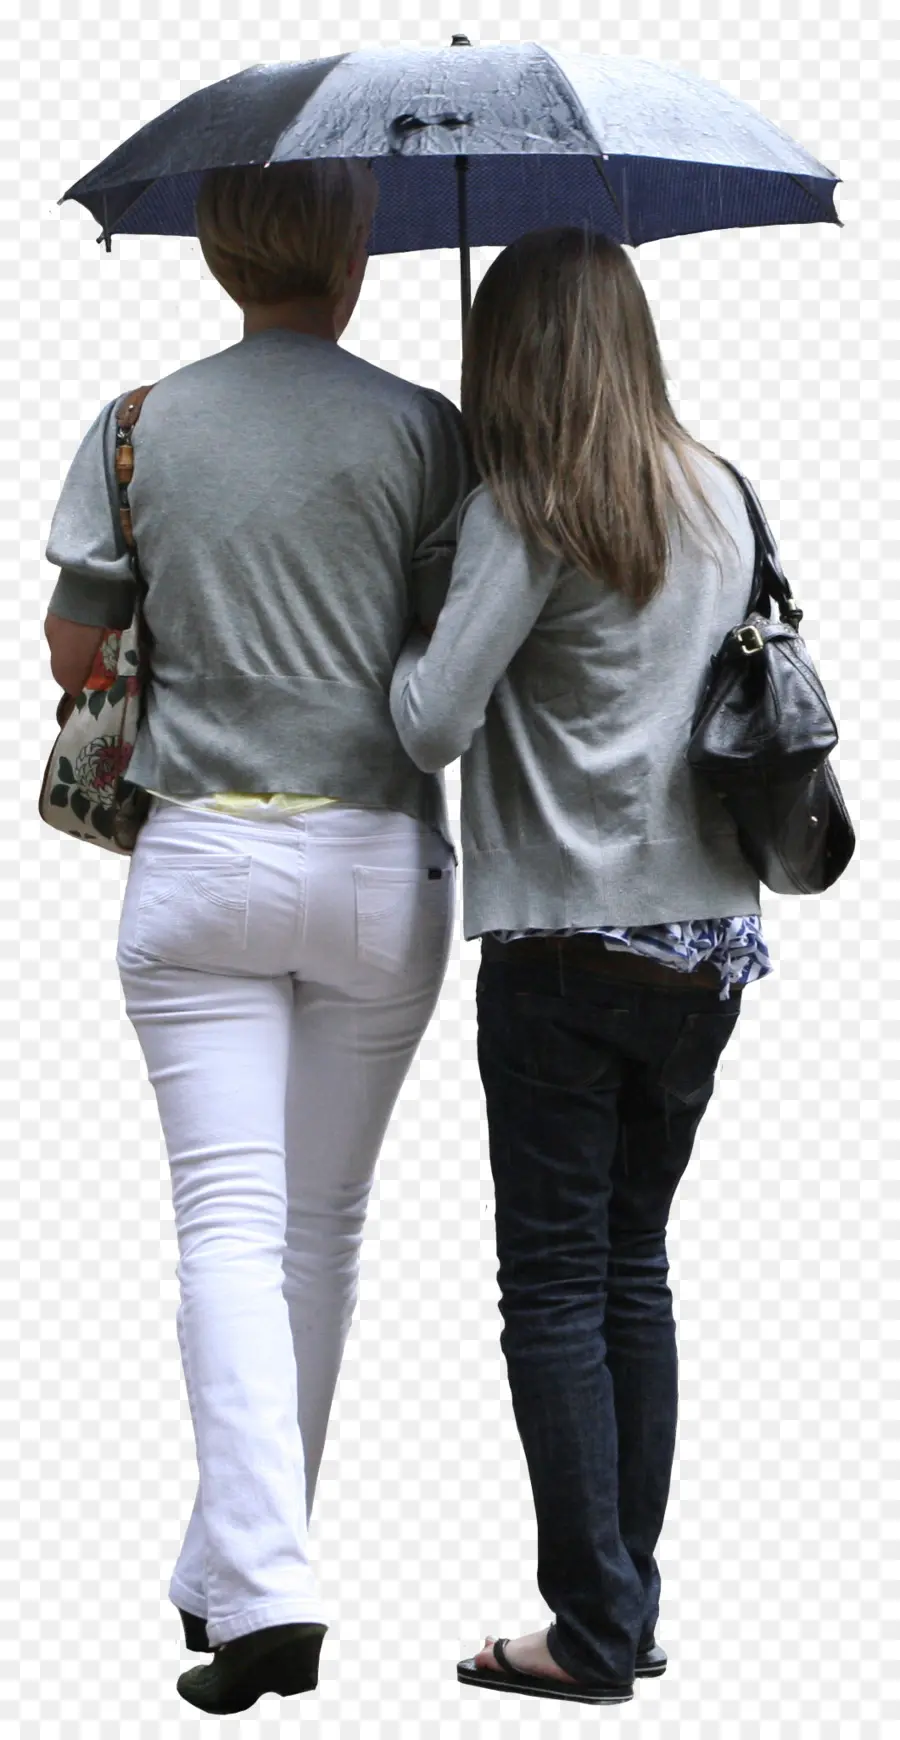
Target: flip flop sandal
(511,1679)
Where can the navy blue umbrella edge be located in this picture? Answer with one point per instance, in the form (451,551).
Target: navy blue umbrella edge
(630,199)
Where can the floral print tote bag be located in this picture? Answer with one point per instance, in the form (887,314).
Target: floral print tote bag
(85,791)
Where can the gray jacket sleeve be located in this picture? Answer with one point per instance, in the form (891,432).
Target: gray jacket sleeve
(96,585)
(441,688)
(448,478)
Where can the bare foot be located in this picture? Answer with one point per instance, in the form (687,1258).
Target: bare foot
(530,1654)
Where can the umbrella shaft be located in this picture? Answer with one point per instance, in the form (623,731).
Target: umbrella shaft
(462,203)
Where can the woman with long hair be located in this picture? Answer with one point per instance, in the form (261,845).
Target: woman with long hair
(600,562)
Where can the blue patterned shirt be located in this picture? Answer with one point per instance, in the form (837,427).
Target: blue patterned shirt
(734,946)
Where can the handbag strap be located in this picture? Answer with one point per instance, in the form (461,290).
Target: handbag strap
(128,410)
(769,580)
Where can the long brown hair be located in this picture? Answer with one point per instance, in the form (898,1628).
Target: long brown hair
(565,400)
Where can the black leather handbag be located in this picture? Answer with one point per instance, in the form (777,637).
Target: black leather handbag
(763,732)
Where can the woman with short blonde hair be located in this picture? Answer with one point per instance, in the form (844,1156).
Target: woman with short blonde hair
(288,913)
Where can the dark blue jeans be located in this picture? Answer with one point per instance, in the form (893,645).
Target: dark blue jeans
(594,1091)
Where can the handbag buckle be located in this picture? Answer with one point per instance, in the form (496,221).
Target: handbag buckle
(749,639)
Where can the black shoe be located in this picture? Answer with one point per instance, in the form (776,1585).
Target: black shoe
(651,1661)
(280,1658)
(195,1632)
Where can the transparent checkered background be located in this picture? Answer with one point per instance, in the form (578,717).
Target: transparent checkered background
(777,1606)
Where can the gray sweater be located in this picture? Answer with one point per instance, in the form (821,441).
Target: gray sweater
(295,511)
(572,710)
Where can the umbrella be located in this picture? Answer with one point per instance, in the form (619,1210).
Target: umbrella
(476,146)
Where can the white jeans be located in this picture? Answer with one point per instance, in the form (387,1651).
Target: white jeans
(279,976)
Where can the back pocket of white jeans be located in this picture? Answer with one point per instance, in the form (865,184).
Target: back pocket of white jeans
(194,911)
(399,912)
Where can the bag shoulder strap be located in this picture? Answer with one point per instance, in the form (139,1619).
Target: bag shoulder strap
(770,583)
(128,410)
(128,407)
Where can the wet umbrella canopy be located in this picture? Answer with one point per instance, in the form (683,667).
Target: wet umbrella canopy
(475,146)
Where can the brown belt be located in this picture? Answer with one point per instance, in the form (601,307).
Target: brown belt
(590,954)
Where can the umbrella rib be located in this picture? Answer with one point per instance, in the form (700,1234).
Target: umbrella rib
(598,165)
(107,233)
(815,197)
(576,101)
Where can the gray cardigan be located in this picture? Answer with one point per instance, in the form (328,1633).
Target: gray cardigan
(295,511)
(571,710)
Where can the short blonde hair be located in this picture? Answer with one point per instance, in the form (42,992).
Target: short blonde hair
(290,229)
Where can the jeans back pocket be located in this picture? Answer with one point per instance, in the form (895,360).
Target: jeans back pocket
(400,912)
(194,911)
(689,1071)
